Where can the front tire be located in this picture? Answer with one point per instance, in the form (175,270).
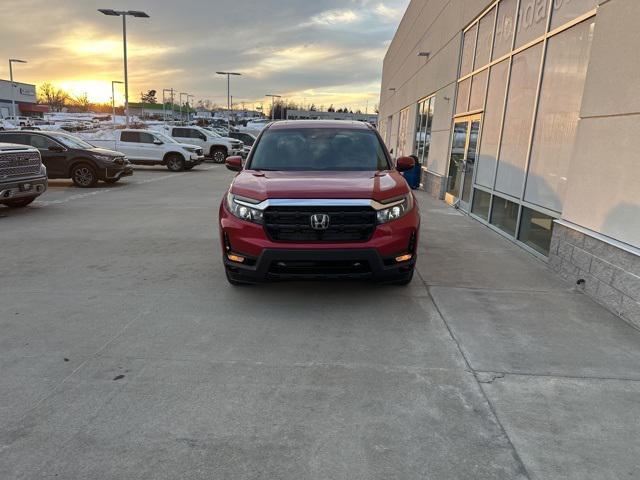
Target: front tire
(84,175)
(175,163)
(218,154)
(19,202)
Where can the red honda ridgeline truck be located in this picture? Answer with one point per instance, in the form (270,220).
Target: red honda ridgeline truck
(319,200)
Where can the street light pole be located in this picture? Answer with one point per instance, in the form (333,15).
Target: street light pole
(13,99)
(113,100)
(273,97)
(164,104)
(181,117)
(189,106)
(228,74)
(123,14)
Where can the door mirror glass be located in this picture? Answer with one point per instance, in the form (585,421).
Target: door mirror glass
(234,163)
(405,163)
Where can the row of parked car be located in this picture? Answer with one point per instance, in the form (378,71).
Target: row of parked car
(28,158)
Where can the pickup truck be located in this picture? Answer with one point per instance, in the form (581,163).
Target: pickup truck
(148,147)
(23,177)
(215,146)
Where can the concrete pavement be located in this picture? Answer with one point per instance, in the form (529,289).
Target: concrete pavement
(125,354)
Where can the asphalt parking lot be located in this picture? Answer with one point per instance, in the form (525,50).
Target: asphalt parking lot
(125,354)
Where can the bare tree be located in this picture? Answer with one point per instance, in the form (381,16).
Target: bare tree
(81,102)
(55,97)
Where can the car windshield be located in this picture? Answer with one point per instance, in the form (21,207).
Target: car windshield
(318,149)
(72,142)
(164,138)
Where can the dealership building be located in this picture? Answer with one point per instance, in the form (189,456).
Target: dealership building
(24,95)
(525,115)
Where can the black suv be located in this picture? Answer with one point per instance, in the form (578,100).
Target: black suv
(66,156)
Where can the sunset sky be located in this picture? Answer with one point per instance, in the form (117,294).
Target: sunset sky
(324,51)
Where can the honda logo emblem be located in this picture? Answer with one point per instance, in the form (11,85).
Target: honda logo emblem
(320,221)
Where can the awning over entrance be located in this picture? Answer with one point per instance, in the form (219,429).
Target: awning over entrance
(32,107)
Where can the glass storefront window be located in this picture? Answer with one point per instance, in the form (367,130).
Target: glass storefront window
(532,20)
(492,119)
(504,215)
(517,123)
(468,48)
(504,28)
(462,103)
(563,11)
(535,230)
(478,89)
(485,37)
(481,201)
(423,129)
(564,73)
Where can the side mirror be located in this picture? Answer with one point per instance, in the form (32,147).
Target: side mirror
(158,142)
(56,148)
(234,163)
(405,163)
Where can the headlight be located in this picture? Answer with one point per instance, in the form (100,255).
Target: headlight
(191,149)
(396,211)
(242,210)
(104,158)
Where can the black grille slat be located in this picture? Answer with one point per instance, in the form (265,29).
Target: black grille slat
(293,224)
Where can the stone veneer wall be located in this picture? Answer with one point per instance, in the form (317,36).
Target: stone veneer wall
(611,274)
(433,184)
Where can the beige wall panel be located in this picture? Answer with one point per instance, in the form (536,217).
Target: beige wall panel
(443,110)
(437,162)
(614,70)
(603,191)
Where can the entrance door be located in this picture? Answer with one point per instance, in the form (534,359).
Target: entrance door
(464,150)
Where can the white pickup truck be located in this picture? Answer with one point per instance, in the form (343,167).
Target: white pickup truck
(148,147)
(215,146)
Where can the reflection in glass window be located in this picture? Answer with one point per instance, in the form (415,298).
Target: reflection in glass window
(532,20)
(504,215)
(462,102)
(403,127)
(485,37)
(517,121)
(478,87)
(563,11)
(423,129)
(481,201)
(492,120)
(504,28)
(535,230)
(563,78)
(468,47)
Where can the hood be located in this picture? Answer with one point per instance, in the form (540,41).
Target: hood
(261,185)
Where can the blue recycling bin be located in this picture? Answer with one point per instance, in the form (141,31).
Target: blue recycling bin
(413,176)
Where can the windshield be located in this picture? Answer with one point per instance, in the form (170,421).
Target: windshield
(164,138)
(319,149)
(72,142)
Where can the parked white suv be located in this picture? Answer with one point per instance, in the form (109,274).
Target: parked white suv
(215,146)
(146,147)
(20,121)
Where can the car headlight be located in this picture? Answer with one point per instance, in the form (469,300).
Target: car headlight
(104,158)
(191,149)
(396,211)
(240,208)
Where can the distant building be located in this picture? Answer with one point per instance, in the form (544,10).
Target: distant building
(25,99)
(156,110)
(315,115)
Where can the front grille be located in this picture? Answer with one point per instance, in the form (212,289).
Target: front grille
(320,267)
(14,164)
(346,224)
(199,151)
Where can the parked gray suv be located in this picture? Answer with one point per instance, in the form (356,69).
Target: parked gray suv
(23,177)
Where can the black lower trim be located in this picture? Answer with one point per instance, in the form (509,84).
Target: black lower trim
(318,264)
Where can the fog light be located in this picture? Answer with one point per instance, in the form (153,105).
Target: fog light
(404,258)
(235,258)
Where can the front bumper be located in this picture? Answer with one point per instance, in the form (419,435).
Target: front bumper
(26,187)
(269,260)
(119,172)
(195,159)
(233,152)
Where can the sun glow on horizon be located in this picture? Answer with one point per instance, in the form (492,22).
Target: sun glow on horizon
(98,91)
